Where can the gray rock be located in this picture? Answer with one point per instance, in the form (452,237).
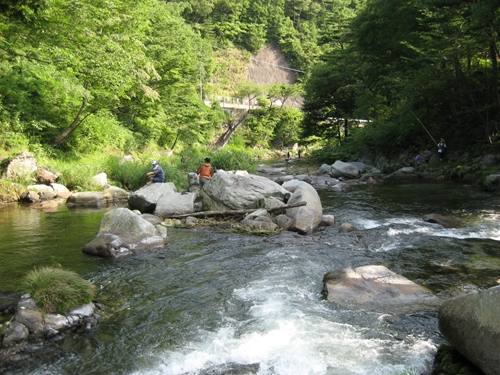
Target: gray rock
(56,322)
(272,171)
(24,164)
(325,169)
(29,196)
(191,221)
(97,198)
(291,185)
(46,177)
(327,221)
(15,333)
(303,177)
(61,191)
(153,219)
(340,187)
(360,165)
(282,179)
(228,191)
(492,182)
(145,198)
(261,222)
(341,169)
(305,219)
(26,303)
(194,182)
(347,228)
(173,203)
(376,287)
(100,179)
(489,161)
(283,221)
(471,323)
(121,232)
(324,181)
(84,310)
(445,221)
(30,318)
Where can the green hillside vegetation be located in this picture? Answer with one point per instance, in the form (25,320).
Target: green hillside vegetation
(115,77)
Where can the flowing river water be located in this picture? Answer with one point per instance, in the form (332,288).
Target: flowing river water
(214,302)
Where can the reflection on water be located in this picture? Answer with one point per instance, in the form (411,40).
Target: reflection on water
(219,303)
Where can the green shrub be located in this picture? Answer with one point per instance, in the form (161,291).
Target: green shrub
(234,160)
(57,290)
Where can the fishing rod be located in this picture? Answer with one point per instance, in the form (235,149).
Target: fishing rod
(423,126)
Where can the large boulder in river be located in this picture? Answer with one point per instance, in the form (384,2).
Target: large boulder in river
(341,169)
(375,287)
(231,191)
(471,323)
(146,198)
(306,219)
(122,232)
(112,194)
(173,203)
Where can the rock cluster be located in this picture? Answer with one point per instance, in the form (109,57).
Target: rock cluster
(29,326)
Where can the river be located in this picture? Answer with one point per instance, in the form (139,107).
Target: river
(214,302)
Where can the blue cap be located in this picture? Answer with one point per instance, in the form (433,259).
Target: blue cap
(154,163)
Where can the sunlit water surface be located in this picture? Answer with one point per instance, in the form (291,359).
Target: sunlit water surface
(219,303)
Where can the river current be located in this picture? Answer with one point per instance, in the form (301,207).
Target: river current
(213,302)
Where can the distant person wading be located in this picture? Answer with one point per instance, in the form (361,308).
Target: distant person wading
(205,172)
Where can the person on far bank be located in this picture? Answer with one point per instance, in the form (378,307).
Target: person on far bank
(417,160)
(441,149)
(205,172)
(427,156)
(157,175)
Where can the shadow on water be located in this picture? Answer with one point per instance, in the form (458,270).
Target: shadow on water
(220,303)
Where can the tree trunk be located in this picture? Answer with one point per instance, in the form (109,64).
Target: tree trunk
(239,212)
(224,138)
(70,129)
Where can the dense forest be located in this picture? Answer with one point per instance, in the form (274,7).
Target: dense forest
(98,75)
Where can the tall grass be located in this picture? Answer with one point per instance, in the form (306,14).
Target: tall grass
(57,290)
(234,160)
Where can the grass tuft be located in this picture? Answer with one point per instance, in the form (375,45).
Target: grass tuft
(57,290)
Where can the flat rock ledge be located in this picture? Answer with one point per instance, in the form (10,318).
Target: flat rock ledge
(376,287)
(29,328)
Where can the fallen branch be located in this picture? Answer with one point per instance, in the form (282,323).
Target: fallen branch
(238,212)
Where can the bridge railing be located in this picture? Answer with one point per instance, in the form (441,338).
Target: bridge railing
(230,102)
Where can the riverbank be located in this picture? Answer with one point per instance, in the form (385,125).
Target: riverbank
(128,172)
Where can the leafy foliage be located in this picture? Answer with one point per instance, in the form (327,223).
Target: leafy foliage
(403,65)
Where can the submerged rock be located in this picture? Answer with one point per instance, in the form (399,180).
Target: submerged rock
(445,221)
(375,287)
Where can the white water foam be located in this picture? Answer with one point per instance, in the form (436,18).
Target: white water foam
(289,333)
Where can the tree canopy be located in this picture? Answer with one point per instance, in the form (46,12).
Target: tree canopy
(405,64)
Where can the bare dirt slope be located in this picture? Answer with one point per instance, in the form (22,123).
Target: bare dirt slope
(269,67)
